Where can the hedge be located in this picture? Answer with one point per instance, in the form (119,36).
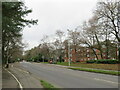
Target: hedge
(105,61)
(91,61)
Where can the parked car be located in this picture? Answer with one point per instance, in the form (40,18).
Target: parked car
(52,61)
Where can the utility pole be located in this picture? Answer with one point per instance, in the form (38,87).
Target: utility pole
(43,58)
(118,51)
(69,62)
(69,54)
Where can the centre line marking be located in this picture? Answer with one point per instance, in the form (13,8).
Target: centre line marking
(106,80)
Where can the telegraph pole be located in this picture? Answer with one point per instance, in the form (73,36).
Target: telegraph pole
(118,51)
(69,62)
(43,58)
(69,54)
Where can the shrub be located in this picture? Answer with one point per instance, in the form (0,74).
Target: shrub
(91,61)
(107,61)
(103,61)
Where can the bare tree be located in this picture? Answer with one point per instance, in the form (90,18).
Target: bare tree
(108,13)
(60,35)
(45,39)
(74,37)
(45,46)
(92,35)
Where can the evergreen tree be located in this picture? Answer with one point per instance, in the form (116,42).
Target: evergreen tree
(13,22)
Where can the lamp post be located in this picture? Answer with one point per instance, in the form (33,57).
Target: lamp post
(43,58)
(119,51)
(69,62)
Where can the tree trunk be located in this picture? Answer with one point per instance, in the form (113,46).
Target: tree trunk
(99,46)
(107,49)
(92,50)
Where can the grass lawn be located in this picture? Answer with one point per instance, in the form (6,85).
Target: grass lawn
(97,66)
(87,67)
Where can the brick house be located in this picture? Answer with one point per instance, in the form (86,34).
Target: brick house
(83,54)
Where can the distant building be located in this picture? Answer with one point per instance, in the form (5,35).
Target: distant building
(84,54)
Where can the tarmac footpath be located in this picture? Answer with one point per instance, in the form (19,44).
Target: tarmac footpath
(27,80)
(8,81)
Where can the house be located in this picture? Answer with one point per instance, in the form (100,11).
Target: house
(84,54)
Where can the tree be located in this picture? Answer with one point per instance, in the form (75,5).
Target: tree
(45,47)
(93,34)
(59,41)
(108,13)
(56,48)
(74,37)
(13,21)
(103,27)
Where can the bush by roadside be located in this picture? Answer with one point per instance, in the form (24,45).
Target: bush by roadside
(104,61)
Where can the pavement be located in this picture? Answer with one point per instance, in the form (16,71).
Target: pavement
(26,79)
(62,77)
(15,78)
(8,80)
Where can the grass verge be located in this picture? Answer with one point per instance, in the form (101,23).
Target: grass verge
(94,66)
(114,67)
(45,62)
(97,71)
(47,85)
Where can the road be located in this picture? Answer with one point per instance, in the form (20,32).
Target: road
(62,77)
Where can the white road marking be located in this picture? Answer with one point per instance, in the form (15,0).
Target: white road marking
(106,81)
(15,79)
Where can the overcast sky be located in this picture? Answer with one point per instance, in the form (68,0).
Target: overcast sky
(53,15)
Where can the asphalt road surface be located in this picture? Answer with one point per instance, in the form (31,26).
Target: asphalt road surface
(62,77)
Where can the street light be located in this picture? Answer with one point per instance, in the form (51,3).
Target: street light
(43,58)
(119,51)
(69,62)
(69,54)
